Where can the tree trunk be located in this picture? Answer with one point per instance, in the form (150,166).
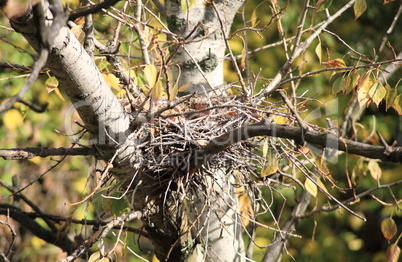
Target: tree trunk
(206,227)
(200,52)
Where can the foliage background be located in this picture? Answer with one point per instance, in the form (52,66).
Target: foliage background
(334,236)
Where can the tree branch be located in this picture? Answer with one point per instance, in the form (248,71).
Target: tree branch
(322,140)
(276,81)
(30,152)
(58,219)
(83,11)
(54,238)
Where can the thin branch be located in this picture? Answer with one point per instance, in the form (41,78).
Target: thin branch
(96,223)
(347,68)
(389,31)
(141,36)
(36,70)
(351,200)
(275,83)
(21,68)
(101,233)
(246,92)
(14,189)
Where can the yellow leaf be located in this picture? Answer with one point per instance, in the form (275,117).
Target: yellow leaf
(151,74)
(36,160)
(12,119)
(78,32)
(310,187)
(397,105)
(58,93)
(112,81)
(270,168)
(389,228)
(37,242)
(265,149)
(318,51)
(185,87)
(359,7)
(377,93)
(364,80)
(393,253)
(374,169)
(243,59)
(280,120)
(362,94)
(245,209)
(322,186)
(156,92)
(97,257)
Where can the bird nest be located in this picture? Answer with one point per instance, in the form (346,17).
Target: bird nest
(172,134)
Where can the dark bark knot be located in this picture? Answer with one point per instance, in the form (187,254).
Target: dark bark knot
(207,63)
(177,25)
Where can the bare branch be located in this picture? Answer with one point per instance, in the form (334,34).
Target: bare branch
(352,200)
(30,152)
(324,140)
(275,83)
(83,11)
(55,238)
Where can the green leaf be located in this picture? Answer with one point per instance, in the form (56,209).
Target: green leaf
(390,97)
(359,7)
(337,85)
(187,5)
(323,4)
(51,84)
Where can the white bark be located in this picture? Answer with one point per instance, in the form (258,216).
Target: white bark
(219,225)
(80,79)
(202,48)
(200,54)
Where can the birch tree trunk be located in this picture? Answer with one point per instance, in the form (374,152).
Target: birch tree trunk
(200,53)
(212,227)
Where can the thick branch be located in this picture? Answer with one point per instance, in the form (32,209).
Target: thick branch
(92,9)
(30,152)
(100,110)
(315,138)
(54,238)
